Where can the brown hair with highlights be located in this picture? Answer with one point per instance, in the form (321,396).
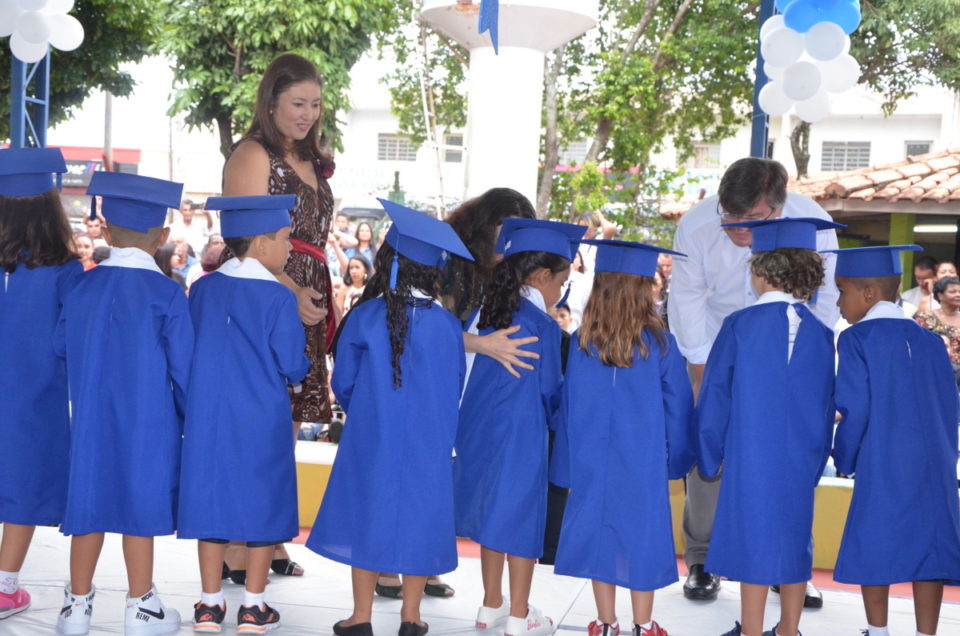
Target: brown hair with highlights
(620,308)
(794,270)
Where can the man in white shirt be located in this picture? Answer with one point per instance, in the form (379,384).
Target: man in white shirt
(711,283)
(195,232)
(921,296)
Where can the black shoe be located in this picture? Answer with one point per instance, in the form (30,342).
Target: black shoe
(408,628)
(254,619)
(735,631)
(357,629)
(700,585)
(208,618)
(812,598)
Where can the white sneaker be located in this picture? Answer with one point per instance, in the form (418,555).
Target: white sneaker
(148,616)
(75,614)
(493,617)
(535,624)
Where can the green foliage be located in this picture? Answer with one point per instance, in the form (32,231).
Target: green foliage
(115,32)
(220,49)
(905,43)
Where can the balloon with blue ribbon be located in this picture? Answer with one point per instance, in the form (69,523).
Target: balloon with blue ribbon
(490,21)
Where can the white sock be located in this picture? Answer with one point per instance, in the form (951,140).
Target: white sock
(922,634)
(779,633)
(212,600)
(647,625)
(252,600)
(8,582)
(877,631)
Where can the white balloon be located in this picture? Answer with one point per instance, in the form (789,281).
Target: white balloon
(32,5)
(33,27)
(814,109)
(26,51)
(839,74)
(825,41)
(9,13)
(801,80)
(772,99)
(58,6)
(782,47)
(773,72)
(66,32)
(772,23)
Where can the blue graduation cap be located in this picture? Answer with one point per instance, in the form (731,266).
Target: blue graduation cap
(864,262)
(249,216)
(27,172)
(628,257)
(770,234)
(535,235)
(133,201)
(421,238)
(489,20)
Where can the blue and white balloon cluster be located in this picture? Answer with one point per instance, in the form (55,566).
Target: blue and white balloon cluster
(806,56)
(34,24)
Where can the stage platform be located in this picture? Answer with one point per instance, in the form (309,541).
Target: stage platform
(310,605)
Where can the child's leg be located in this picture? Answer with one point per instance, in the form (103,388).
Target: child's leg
(84,552)
(364,582)
(521,578)
(605,594)
(211,565)
(753,599)
(642,606)
(258,564)
(927,599)
(791,605)
(412,592)
(875,599)
(14,545)
(491,568)
(138,556)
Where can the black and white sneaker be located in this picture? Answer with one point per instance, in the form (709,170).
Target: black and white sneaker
(207,619)
(148,616)
(75,614)
(255,620)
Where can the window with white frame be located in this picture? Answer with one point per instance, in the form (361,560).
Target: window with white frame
(453,148)
(845,155)
(574,153)
(918,147)
(395,148)
(705,156)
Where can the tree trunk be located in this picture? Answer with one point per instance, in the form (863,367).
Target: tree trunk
(551,150)
(225,128)
(800,145)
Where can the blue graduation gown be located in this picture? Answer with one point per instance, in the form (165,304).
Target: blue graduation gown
(898,436)
(389,504)
(769,423)
(623,433)
(34,419)
(238,477)
(126,332)
(500,472)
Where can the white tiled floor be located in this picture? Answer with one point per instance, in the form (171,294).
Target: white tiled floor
(310,605)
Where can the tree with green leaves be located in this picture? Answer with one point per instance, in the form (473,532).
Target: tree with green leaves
(220,49)
(115,32)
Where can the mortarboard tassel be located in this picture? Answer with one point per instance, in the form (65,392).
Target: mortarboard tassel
(566,295)
(393,270)
(93,208)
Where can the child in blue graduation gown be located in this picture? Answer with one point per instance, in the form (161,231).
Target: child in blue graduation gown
(126,333)
(626,428)
(500,472)
(765,414)
(39,269)
(399,370)
(238,481)
(898,438)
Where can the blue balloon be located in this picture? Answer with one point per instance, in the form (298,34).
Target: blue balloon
(846,15)
(781,5)
(800,15)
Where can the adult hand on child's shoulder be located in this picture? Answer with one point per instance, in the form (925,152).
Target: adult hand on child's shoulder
(506,350)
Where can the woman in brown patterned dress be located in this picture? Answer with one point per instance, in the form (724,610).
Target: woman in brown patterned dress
(281,154)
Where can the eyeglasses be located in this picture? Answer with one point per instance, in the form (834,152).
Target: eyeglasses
(736,218)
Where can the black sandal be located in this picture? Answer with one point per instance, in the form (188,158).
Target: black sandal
(389,591)
(286,567)
(441,590)
(238,576)
(225,573)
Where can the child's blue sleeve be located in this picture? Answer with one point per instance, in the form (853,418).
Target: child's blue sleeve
(853,402)
(716,401)
(560,459)
(287,341)
(350,349)
(178,337)
(678,411)
(550,371)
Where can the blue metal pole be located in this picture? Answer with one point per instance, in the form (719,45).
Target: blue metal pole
(18,103)
(758,138)
(27,130)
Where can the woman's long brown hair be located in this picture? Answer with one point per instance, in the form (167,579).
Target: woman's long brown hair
(621,306)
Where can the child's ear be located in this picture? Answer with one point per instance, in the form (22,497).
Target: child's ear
(162,237)
(539,276)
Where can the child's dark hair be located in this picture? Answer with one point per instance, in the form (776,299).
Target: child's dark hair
(887,286)
(34,231)
(410,275)
(502,297)
(162,258)
(798,272)
(238,246)
(620,308)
